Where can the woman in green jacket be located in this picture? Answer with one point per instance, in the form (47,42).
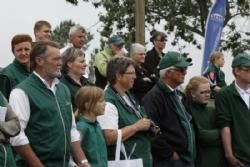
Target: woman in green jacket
(19,69)
(208,134)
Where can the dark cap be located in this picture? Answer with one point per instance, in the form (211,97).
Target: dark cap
(174,59)
(241,59)
(116,40)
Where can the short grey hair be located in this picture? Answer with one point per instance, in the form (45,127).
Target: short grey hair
(135,47)
(163,71)
(76,28)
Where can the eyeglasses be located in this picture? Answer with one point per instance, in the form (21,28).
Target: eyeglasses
(245,69)
(205,92)
(179,69)
(130,73)
(141,54)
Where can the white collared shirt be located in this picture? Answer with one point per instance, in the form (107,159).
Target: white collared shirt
(244,94)
(19,101)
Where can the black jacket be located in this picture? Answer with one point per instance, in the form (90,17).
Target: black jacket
(141,87)
(152,60)
(161,110)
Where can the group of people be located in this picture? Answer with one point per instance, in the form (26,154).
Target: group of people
(52,116)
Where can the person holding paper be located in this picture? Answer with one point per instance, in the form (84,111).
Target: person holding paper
(9,127)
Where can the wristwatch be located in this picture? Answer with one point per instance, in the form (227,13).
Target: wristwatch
(83,162)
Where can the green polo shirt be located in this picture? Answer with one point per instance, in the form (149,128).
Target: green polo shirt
(93,142)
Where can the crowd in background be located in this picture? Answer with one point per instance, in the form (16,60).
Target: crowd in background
(51,115)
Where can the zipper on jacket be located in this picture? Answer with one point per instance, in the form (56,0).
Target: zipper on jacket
(64,129)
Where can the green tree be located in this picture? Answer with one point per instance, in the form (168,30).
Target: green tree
(60,33)
(184,18)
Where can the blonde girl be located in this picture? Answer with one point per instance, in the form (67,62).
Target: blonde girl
(90,104)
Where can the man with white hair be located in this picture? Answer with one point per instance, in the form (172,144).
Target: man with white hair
(175,147)
(77,38)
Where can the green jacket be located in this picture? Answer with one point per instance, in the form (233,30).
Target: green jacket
(49,126)
(232,112)
(12,75)
(93,142)
(101,60)
(9,128)
(208,135)
(126,118)
(216,77)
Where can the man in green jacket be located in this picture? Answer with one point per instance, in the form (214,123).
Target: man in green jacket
(114,48)
(43,105)
(175,147)
(233,113)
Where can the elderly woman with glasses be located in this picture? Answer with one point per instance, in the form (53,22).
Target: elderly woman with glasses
(208,134)
(145,79)
(124,113)
(73,69)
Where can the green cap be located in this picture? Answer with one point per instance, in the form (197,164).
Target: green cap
(116,40)
(174,59)
(241,59)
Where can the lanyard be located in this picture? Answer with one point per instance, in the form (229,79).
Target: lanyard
(135,109)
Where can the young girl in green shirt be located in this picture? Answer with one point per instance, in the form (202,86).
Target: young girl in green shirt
(90,104)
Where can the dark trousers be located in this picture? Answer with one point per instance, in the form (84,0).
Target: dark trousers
(245,165)
(170,163)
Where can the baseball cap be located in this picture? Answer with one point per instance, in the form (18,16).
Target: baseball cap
(174,59)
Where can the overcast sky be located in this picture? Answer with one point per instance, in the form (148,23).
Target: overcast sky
(19,16)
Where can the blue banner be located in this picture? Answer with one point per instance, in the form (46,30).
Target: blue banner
(214,27)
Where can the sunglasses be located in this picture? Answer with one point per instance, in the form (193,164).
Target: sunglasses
(162,40)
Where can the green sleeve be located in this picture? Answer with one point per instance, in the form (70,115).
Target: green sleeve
(5,85)
(83,129)
(101,63)
(223,115)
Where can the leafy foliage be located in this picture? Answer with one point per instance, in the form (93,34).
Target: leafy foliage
(60,33)
(184,18)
